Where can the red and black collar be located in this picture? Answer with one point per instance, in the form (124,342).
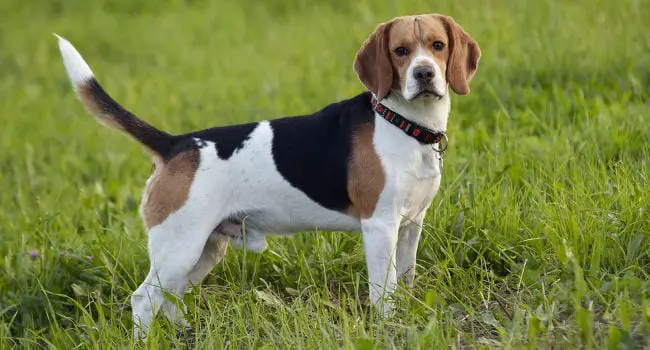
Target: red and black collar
(422,134)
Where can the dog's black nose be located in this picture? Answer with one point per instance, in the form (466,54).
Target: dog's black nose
(423,74)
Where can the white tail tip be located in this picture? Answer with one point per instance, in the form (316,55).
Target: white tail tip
(77,68)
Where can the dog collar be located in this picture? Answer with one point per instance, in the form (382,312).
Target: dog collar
(422,134)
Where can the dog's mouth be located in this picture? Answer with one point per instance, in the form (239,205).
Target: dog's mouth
(429,94)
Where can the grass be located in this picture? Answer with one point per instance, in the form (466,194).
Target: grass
(539,237)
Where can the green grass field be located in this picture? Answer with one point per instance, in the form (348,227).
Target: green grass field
(539,237)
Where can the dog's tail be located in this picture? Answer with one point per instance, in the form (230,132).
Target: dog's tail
(105,109)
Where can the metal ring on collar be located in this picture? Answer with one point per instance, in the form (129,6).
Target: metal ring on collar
(444,142)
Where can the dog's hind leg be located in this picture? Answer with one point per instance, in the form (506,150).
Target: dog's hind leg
(180,251)
(213,252)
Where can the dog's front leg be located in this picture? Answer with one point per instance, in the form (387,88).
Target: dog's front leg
(379,243)
(407,246)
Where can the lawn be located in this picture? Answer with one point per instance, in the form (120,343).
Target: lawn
(538,238)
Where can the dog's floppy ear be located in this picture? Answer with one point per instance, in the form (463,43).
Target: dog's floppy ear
(372,63)
(464,55)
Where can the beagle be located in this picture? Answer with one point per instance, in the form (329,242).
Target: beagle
(369,164)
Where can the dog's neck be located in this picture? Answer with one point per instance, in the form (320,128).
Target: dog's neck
(429,113)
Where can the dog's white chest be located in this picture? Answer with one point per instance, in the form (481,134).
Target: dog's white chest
(427,165)
(420,184)
(418,196)
(413,171)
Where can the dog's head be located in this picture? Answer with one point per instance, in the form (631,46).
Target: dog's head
(417,56)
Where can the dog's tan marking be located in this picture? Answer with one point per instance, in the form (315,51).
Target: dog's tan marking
(366,176)
(169,187)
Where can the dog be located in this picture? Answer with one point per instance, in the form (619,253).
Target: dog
(370,164)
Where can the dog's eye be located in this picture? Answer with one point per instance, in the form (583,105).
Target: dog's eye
(401,51)
(438,45)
